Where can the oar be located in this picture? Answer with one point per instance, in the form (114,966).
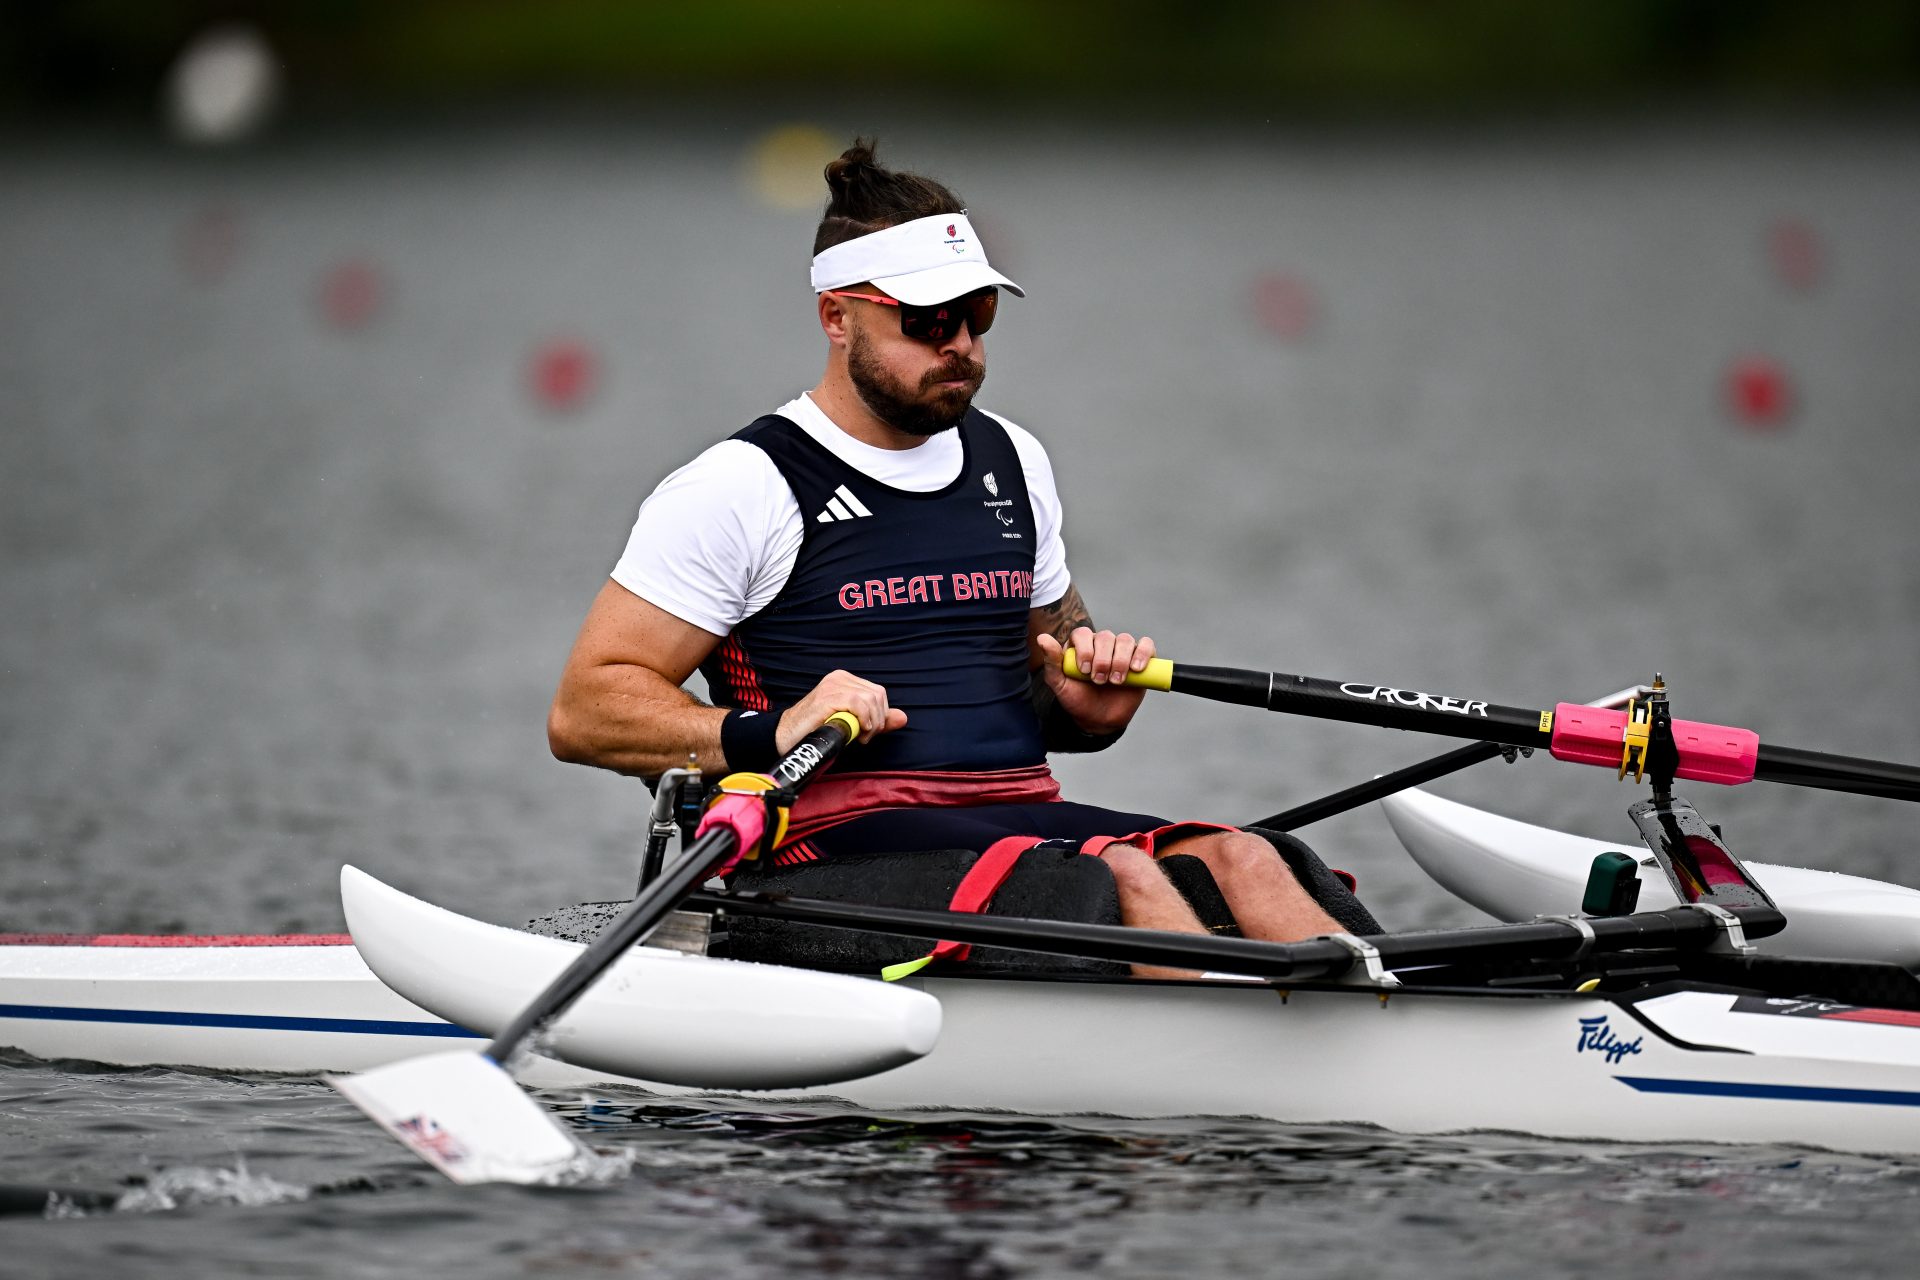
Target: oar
(1568,731)
(461,1111)
(1411,776)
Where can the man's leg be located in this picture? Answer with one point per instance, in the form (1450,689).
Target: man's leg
(1261,890)
(1148,900)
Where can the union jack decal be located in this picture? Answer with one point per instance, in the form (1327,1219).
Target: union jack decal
(424,1134)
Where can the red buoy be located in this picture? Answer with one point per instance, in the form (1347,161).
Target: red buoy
(352,294)
(563,374)
(1759,393)
(1286,306)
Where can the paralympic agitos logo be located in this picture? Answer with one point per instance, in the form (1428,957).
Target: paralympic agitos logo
(1415,699)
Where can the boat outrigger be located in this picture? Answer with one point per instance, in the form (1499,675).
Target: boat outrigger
(1716,1000)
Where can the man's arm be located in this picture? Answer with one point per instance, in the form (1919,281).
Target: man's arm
(1077,715)
(620,705)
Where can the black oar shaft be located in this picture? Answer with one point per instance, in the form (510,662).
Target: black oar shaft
(808,759)
(1838,773)
(1671,929)
(1360,702)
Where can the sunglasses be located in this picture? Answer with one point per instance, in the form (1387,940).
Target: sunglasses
(941,320)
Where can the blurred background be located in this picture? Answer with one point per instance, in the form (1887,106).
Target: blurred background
(1512,351)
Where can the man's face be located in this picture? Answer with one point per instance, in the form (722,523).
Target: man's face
(921,388)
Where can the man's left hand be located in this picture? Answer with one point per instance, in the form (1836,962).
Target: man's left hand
(1101,703)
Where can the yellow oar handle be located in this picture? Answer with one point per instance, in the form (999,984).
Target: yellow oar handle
(848,722)
(1158,675)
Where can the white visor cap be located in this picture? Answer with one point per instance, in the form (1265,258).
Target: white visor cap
(921,262)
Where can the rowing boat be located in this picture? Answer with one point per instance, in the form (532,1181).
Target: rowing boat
(1664,1023)
(1656,1063)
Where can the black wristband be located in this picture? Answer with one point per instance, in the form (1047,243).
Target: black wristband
(749,739)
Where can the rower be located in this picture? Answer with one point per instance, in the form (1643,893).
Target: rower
(881,545)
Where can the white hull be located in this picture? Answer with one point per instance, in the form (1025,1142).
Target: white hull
(1688,1065)
(299,1008)
(1418,1062)
(1515,871)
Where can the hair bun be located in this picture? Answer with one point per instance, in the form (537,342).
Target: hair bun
(864,196)
(855,163)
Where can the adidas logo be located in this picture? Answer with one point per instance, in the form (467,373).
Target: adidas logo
(842,506)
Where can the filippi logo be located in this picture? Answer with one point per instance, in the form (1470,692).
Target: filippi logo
(1597,1036)
(1415,699)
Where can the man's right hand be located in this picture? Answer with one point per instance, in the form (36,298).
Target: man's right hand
(839,691)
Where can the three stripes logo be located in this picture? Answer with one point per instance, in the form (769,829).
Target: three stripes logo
(842,506)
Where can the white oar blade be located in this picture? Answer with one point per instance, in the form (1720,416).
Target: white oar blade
(466,1117)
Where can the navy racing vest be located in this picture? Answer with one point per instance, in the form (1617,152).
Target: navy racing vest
(925,594)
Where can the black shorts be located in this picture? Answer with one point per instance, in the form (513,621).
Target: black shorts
(970,827)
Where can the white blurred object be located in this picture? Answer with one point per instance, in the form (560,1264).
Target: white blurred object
(223,86)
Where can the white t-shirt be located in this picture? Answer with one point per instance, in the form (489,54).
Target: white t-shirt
(717,540)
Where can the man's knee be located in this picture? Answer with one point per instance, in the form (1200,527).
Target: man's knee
(1132,868)
(1235,854)
(1242,863)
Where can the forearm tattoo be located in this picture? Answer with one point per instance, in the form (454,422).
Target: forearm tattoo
(1060,620)
(1066,615)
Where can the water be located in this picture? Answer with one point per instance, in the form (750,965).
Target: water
(277,597)
(959,1196)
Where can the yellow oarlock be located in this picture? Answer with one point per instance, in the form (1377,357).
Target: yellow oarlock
(754,783)
(1158,675)
(1633,745)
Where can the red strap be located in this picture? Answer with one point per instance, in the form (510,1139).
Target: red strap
(1150,842)
(982,881)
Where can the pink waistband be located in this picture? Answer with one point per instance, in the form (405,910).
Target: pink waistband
(840,796)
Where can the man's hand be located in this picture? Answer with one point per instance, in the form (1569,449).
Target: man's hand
(1101,704)
(839,691)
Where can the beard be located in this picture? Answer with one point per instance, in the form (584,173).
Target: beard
(923,410)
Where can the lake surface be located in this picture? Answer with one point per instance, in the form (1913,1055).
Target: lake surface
(278,593)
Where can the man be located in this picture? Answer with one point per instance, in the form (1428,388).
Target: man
(881,546)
